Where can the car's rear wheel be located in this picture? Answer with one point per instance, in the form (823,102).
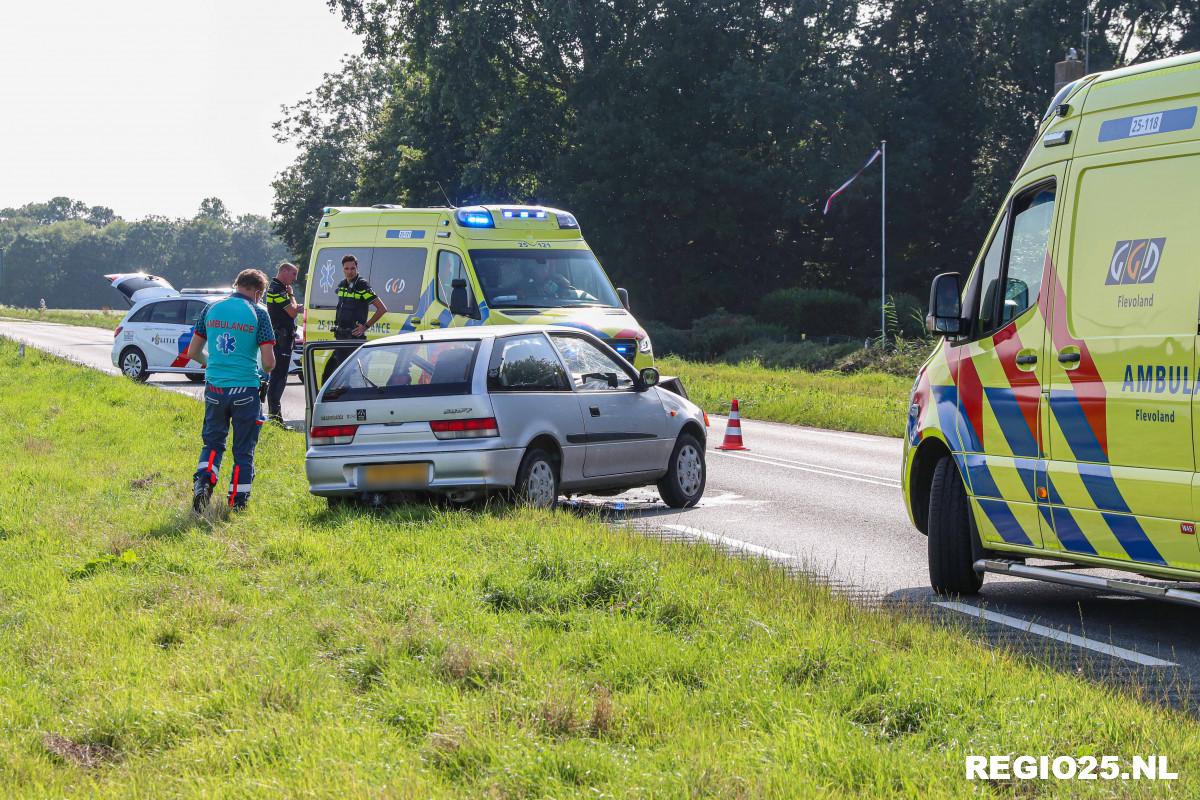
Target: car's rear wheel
(537,479)
(683,485)
(953,543)
(195,377)
(133,364)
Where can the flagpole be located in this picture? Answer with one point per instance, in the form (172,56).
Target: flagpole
(883,246)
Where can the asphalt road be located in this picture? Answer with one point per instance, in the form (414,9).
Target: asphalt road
(829,504)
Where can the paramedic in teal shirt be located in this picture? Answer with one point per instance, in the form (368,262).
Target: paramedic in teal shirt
(238,333)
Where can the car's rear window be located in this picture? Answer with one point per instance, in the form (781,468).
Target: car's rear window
(411,369)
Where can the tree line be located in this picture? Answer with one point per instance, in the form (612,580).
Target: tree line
(696,140)
(60,250)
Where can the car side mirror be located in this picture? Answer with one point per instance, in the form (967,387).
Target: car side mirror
(945,305)
(649,376)
(460,303)
(624,295)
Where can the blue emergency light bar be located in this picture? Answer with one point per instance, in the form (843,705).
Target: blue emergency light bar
(474,217)
(523,213)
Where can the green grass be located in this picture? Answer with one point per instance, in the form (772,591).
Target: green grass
(93,319)
(418,652)
(865,402)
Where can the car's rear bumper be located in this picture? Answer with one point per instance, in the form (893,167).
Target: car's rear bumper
(448,471)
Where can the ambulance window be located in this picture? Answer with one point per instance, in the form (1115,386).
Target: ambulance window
(396,276)
(1033,214)
(989,281)
(327,274)
(449,266)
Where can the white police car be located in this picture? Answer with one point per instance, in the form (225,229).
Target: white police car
(154,335)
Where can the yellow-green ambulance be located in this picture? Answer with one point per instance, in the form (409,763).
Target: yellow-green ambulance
(1057,417)
(482,265)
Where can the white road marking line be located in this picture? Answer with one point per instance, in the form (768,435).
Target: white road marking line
(1056,635)
(818,466)
(826,473)
(872,438)
(736,544)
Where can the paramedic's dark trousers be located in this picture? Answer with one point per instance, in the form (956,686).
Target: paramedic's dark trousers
(279,376)
(239,405)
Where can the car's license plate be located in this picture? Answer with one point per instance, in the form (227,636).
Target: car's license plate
(388,475)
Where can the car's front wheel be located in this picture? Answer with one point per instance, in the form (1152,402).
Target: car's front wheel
(683,485)
(195,377)
(537,479)
(133,364)
(953,543)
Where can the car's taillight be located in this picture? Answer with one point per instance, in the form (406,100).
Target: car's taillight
(464,428)
(332,434)
(117,332)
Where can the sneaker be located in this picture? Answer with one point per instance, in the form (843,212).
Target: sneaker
(202,490)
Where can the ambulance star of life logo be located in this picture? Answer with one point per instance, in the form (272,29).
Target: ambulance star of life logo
(1135,261)
(226,343)
(327,280)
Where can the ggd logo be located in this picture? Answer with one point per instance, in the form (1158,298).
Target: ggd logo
(394,286)
(1135,261)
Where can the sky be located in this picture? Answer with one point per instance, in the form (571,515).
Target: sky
(149,107)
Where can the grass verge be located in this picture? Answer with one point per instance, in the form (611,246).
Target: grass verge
(864,402)
(92,319)
(420,652)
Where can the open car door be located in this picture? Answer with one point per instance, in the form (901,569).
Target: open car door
(314,360)
(135,286)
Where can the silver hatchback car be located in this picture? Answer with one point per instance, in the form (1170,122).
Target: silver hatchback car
(532,411)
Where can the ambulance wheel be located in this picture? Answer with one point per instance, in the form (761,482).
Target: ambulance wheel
(195,377)
(953,543)
(683,485)
(133,364)
(537,480)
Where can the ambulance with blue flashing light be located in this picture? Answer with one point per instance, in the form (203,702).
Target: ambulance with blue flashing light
(437,268)
(1057,418)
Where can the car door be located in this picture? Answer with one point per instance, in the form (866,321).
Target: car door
(625,427)
(1000,369)
(531,393)
(449,267)
(1122,363)
(161,339)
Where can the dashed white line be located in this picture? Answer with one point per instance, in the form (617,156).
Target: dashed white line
(1056,635)
(734,544)
(828,472)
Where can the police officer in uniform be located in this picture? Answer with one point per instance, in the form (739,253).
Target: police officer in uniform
(350,320)
(282,308)
(238,333)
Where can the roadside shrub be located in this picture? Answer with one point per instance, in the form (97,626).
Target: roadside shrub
(909,316)
(808,355)
(814,312)
(668,341)
(717,333)
(902,357)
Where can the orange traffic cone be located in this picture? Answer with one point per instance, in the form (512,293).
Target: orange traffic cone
(733,430)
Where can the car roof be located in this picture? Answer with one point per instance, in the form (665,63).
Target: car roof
(148,301)
(473,332)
